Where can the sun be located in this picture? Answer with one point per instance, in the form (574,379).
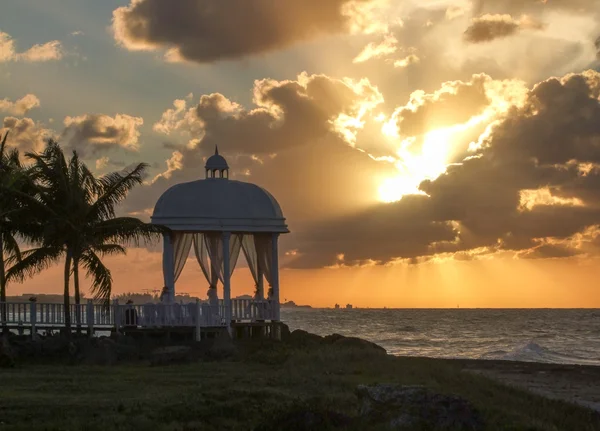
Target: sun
(415,166)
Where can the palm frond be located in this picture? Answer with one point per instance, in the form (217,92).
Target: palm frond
(100,276)
(128,230)
(3,143)
(11,245)
(33,262)
(108,249)
(114,189)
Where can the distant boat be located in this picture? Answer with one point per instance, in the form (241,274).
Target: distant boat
(337,306)
(348,306)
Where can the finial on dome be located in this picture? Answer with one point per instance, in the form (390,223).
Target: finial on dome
(216,150)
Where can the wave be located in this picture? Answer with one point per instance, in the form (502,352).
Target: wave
(533,352)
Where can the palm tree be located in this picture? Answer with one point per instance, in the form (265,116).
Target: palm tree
(10,170)
(77,212)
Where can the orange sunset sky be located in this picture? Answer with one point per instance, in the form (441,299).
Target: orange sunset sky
(427,153)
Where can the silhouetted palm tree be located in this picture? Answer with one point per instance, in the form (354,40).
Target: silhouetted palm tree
(77,212)
(9,247)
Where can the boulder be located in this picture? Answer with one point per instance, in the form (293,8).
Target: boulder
(284,331)
(354,343)
(170,355)
(300,338)
(416,406)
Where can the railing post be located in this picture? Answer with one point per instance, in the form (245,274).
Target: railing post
(198,327)
(117,315)
(33,317)
(89,316)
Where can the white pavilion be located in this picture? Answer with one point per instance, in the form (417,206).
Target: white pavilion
(219,218)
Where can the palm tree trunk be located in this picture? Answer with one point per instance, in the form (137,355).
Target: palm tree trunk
(66,297)
(77,295)
(3,311)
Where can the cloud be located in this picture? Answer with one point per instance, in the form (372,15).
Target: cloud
(531,186)
(188,30)
(455,102)
(100,132)
(406,61)
(287,114)
(25,134)
(48,51)
(102,163)
(489,27)
(535,6)
(387,46)
(21,106)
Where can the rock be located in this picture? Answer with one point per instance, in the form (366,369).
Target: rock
(416,406)
(330,339)
(306,418)
(284,331)
(170,355)
(354,343)
(300,338)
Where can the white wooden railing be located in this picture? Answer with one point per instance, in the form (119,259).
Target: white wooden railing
(95,316)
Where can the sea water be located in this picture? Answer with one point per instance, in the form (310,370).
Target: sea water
(567,336)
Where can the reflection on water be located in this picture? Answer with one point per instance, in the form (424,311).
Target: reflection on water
(541,335)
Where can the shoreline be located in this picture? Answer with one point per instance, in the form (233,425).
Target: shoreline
(579,384)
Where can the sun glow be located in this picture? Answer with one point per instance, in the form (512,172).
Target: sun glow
(430,162)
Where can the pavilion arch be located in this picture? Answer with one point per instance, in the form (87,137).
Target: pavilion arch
(219,218)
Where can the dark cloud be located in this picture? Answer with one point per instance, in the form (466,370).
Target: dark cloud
(549,251)
(99,132)
(531,180)
(209,30)
(489,27)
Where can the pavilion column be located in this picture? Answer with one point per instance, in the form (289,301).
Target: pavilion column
(227,280)
(275,274)
(169,267)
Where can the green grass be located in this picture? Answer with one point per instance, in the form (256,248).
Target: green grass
(239,395)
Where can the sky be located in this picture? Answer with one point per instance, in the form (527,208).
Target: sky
(428,153)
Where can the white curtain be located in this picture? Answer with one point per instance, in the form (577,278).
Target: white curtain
(249,247)
(201,252)
(214,244)
(264,250)
(251,255)
(182,242)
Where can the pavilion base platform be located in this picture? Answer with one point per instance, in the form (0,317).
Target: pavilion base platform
(240,330)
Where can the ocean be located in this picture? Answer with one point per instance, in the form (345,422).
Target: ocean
(564,336)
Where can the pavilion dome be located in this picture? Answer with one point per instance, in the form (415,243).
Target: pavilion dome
(219,204)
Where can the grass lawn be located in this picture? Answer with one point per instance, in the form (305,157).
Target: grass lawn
(240,394)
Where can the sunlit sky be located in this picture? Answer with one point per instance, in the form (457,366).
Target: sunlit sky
(427,153)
